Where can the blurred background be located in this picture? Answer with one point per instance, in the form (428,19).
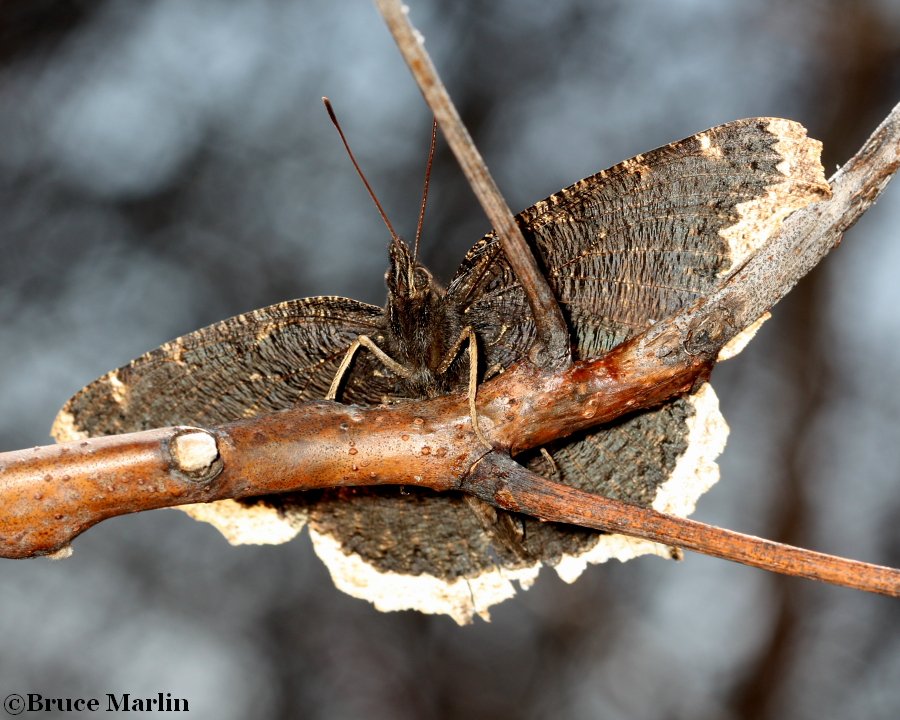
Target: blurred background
(168,164)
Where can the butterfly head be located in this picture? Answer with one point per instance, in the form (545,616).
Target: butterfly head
(405,278)
(416,311)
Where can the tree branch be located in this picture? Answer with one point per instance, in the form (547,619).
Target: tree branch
(804,239)
(49,495)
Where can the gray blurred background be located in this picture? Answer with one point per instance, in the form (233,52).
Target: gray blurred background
(164,165)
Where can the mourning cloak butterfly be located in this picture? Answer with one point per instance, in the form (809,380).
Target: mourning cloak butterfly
(621,250)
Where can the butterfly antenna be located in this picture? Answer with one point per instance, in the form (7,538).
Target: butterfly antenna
(359,171)
(425,189)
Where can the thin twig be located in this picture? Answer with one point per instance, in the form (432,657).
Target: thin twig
(506,484)
(552,331)
(54,493)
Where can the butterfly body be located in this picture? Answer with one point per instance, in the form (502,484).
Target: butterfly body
(421,327)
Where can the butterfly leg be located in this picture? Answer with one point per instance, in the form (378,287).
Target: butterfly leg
(467,334)
(554,468)
(504,529)
(366,342)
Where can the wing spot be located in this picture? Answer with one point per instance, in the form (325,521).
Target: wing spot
(117,389)
(707,148)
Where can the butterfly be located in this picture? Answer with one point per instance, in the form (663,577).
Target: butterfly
(621,250)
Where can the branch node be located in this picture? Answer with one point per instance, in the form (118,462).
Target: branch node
(195,455)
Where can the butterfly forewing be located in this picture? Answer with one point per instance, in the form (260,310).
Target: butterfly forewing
(262,361)
(628,246)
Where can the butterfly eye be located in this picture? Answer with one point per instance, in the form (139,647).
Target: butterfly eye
(423,277)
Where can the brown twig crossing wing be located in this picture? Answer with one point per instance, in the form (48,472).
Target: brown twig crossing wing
(552,348)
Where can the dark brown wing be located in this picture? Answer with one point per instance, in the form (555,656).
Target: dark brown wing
(621,249)
(261,361)
(625,248)
(632,244)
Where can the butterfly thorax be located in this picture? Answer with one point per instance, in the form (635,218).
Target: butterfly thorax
(422,328)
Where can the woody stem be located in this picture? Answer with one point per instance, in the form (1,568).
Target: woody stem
(552,349)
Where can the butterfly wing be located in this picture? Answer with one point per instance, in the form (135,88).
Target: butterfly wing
(630,245)
(261,361)
(621,250)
